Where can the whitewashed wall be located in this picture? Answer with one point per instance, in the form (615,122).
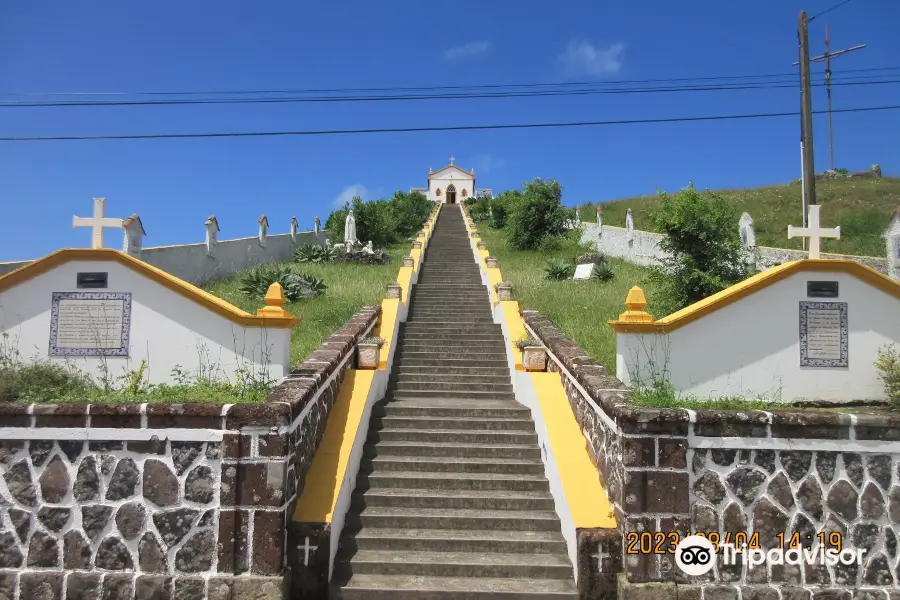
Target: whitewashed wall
(644,249)
(167,329)
(459,180)
(751,348)
(192,263)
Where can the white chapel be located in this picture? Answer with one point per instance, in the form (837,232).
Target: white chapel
(451,185)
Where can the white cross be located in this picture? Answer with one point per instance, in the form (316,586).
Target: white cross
(814,232)
(451,160)
(306,549)
(97,223)
(600,555)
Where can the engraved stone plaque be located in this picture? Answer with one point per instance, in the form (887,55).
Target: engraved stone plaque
(584,271)
(90,323)
(823,334)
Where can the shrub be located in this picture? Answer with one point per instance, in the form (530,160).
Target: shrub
(526,341)
(480,210)
(590,257)
(551,244)
(383,222)
(888,364)
(603,272)
(364,258)
(373,340)
(538,214)
(703,252)
(558,269)
(408,212)
(296,287)
(40,382)
(314,253)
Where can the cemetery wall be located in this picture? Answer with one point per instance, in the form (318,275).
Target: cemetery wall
(644,248)
(751,472)
(193,263)
(162,500)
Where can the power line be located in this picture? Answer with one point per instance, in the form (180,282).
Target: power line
(427,129)
(839,4)
(432,88)
(413,97)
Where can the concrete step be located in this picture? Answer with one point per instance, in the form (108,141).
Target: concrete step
(451,450)
(424,361)
(450,540)
(443,464)
(453,423)
(455,518)
(454,564)
(453,328)
(498,482)
(486,500)
(459,436)
(440,378)
(440,353)
(397,587)
(418,409)
(450,386)
(461,395)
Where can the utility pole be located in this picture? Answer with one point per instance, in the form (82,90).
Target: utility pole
(809,172)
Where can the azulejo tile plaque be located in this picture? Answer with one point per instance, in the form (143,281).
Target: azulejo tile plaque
(823,334)
(90,323)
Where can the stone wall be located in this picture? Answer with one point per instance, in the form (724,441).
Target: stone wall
(644,248)
(162,501)
(727,472)
(192,263)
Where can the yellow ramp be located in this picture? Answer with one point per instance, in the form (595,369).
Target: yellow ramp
(584,493)
(323,481)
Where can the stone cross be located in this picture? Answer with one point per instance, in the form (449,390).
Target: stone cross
(747,232)
(814,232)
(451,160)
(892,235)
(97,223)
(629,226)
(212,235)
(263,230)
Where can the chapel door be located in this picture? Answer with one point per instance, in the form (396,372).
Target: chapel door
(451,194)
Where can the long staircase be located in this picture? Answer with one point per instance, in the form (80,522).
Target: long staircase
(451,501)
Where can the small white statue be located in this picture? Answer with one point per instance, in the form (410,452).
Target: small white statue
(369,249)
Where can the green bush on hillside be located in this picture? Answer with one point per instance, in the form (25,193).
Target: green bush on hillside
(296,286)
(537,214)
(704,251)
(383,222)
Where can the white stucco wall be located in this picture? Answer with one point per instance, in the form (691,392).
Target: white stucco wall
(192,263)
(167,329)
(751,347)
(442,179)
(644,249)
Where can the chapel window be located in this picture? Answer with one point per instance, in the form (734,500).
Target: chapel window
(465,193)
(437,192)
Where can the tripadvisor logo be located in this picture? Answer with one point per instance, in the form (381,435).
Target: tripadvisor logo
(695,555)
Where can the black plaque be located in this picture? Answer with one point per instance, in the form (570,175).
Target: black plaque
(821,289)
(92,280)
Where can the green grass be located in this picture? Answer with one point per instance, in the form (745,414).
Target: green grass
(580,309)
(862,207)
(350,287)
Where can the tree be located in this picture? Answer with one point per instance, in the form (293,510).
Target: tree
(538,214)
(702,248)
(409,212)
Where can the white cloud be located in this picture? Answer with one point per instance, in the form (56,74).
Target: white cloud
(470,50)
(485,163)
(357,189)
(582,57)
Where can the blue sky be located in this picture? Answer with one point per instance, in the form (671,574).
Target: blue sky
(107,46)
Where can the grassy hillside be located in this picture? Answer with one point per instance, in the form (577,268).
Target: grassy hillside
(350,287)
(862,207)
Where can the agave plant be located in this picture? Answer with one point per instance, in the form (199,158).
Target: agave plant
(296,287)
(602,272)
(313,253)
(558,269)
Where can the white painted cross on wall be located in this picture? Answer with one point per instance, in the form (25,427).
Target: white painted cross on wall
(97,223)
(814,232)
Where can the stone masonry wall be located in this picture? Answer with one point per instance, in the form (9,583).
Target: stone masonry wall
(730,472)
(162,501)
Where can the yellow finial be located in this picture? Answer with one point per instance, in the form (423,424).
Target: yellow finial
(274,302)
(635,303)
